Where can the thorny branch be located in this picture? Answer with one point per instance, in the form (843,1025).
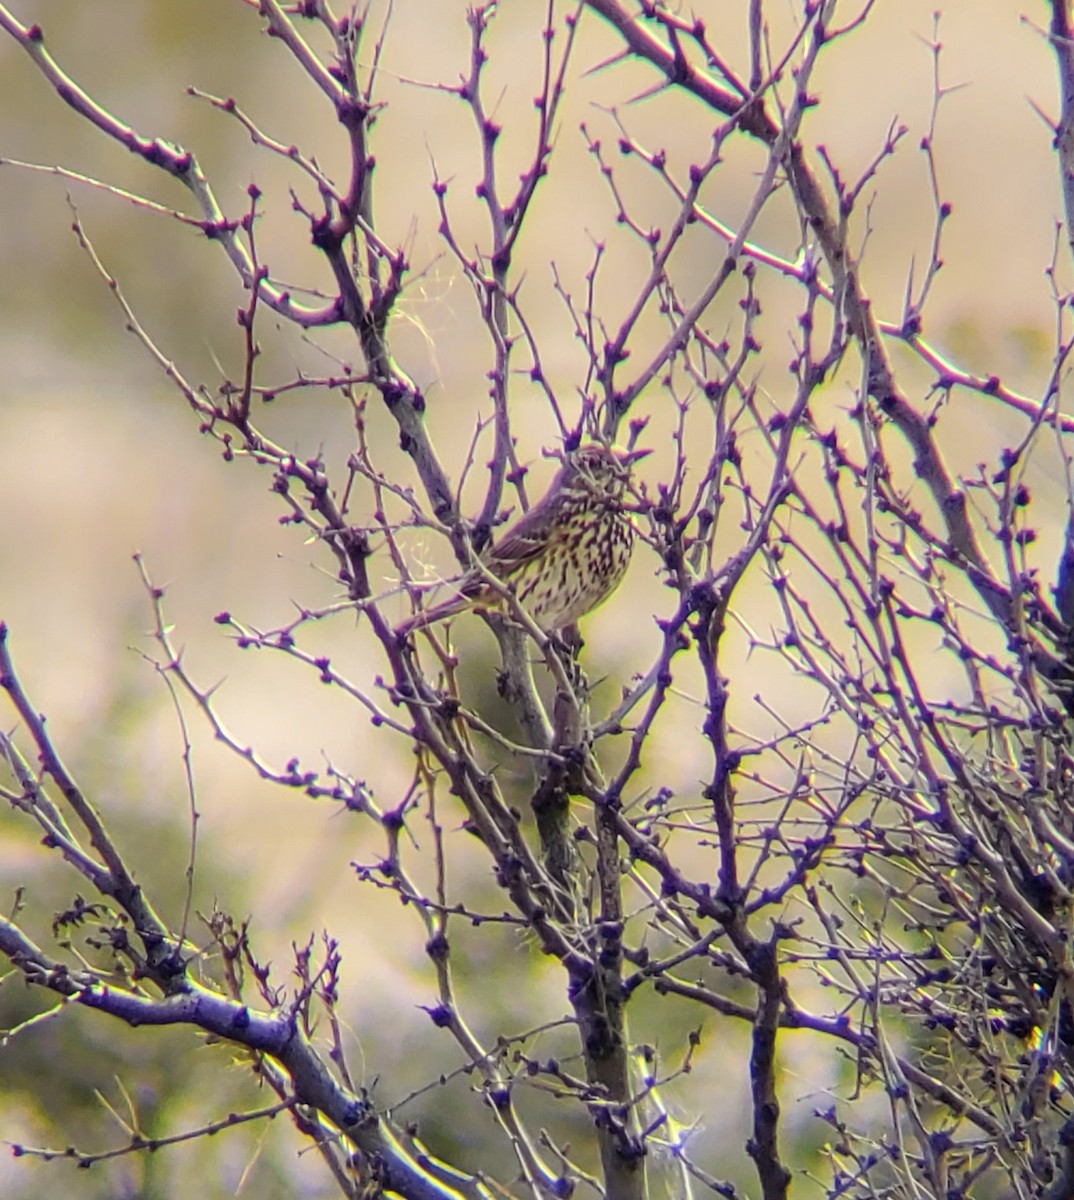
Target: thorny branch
(889,874)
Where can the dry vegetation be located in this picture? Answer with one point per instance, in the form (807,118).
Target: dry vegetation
(854,640)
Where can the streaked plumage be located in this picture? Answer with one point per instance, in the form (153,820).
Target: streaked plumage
(566,555)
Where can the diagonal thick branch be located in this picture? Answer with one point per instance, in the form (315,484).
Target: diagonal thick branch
(410,1174)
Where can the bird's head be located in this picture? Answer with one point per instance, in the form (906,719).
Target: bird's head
(601,468)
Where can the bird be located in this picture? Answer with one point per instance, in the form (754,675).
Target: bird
(563,557)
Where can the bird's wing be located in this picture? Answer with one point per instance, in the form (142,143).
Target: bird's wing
(517,549)
(521,545)
(529,536)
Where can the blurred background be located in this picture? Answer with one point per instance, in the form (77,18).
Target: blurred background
(100,459)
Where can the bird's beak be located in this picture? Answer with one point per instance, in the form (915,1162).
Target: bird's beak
(633,456)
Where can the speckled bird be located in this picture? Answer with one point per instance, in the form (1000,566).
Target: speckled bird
(565,556)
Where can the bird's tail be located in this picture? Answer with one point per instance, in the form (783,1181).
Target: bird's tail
(429,616)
